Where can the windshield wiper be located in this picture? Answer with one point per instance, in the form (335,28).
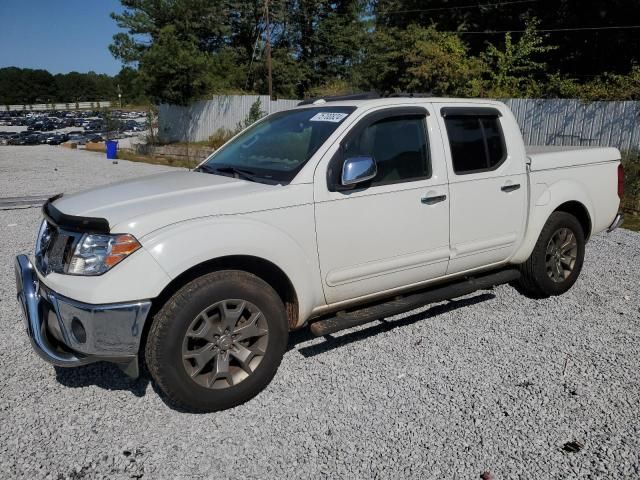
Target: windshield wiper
(234,171)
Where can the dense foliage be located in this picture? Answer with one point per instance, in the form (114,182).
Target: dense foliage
(25,86)
(186,49)
(181,50)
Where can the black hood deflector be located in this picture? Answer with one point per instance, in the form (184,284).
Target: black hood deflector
(73,223)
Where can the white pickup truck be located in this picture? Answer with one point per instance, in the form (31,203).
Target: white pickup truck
(330,215)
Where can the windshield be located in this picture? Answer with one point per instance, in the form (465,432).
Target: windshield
(275,149)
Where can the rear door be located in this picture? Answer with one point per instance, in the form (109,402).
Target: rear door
(487,184)
(393,231)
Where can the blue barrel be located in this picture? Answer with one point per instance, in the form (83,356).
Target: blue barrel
(112,149)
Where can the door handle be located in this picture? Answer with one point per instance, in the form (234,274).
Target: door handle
(510,188)
(432,200)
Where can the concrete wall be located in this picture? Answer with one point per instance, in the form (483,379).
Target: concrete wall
(181,152)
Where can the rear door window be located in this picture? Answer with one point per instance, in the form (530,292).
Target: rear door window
(476,142)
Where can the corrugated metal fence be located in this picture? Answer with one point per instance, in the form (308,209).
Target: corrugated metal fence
(543,122)
(200,120)
(574,122)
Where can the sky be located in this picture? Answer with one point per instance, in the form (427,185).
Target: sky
(58,35)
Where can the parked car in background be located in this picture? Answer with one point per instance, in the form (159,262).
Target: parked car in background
(95,137)
(80,139)
(35,138)
(57,139)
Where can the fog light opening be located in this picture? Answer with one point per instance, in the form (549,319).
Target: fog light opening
(78,331)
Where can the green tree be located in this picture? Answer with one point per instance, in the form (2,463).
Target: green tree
(418,59)
(514,69)
(27,86)
(130,86)
(175,44)
(255,114)
(174,70)
(585,52)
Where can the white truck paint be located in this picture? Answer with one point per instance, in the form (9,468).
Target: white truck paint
(334,214)
(336,248)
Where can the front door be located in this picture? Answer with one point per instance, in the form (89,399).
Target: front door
(394,230)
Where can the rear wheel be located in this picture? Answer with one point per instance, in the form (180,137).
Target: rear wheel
(556,260)
(218,341)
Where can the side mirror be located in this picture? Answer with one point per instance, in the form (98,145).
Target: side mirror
(357,170)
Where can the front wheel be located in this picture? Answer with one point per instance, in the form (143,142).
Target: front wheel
(556,260)
(218,341)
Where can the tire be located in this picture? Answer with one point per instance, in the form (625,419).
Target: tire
(202,366)
(539,278)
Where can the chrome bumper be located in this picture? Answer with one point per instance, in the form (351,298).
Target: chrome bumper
(68,333)
(617,222)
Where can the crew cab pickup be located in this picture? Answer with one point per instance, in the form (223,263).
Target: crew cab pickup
(326,216)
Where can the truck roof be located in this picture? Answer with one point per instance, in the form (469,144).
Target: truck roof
(390,101)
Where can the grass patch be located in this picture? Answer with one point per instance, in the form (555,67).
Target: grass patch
(631,222)
(215,141)
(125,154)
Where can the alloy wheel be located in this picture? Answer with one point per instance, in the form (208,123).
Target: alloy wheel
(561,255)
(225,344)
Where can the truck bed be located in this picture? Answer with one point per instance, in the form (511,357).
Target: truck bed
(551,157)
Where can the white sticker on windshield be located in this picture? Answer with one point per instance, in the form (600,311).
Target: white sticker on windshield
(333,117)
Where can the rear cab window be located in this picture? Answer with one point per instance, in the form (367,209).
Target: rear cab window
(475,138)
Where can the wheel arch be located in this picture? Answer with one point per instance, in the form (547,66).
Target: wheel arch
(260,267)
(581,213)
(565,196)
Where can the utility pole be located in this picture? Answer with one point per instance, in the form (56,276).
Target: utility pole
(268,48)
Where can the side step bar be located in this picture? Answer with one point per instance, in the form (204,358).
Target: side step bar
(347,319)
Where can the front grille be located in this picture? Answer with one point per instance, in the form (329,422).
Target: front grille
(54,248)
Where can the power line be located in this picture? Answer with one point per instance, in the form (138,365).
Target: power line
(460,7)
(253,54)
(539,30)
(439,9)
(545,30)
(268,31)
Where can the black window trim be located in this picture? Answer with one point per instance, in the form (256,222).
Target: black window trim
(334,169)
(448,112)
(479,113)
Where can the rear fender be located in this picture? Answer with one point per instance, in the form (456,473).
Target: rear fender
(545,199)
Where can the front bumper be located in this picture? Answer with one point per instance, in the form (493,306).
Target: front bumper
(68,333)
(617,222)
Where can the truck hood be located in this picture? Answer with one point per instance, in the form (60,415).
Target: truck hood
(140,206)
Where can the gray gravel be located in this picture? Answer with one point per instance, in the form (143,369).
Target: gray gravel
(43,169)
(493,383)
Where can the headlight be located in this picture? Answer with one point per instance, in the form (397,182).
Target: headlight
(95,254)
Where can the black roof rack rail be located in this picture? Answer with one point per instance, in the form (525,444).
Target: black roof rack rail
(340,98)
(367,96)
(410,94)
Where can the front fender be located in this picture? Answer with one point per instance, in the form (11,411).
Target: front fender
(545,199)
(181,246)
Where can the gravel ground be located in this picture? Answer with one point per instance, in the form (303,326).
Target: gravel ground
(43,170)
(492,383)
